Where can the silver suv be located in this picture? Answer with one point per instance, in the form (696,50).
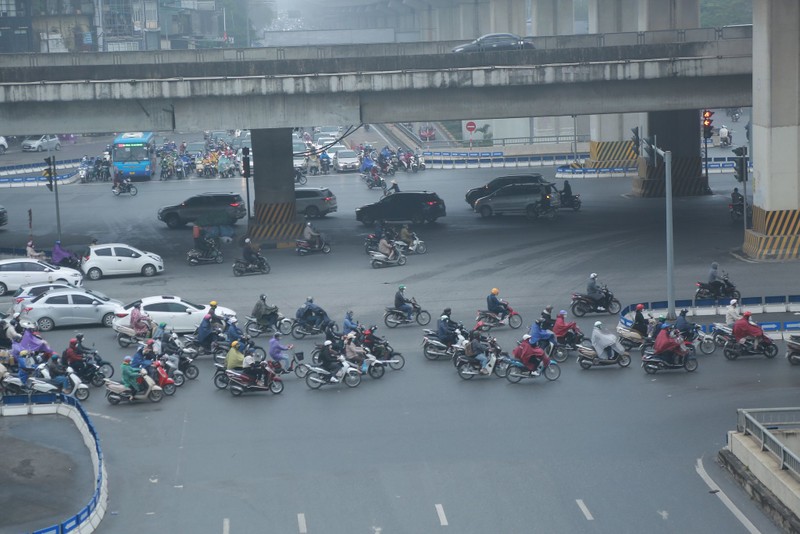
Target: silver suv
(314,201)
(40,143)
(516,199)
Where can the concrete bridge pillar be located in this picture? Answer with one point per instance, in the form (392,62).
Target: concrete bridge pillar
(274,220)
(678,132)
(668,14)
(613,16)
(776,131)
(508,16)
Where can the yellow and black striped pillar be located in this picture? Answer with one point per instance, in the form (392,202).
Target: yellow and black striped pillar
(775,235)
(610,154)
(687,178)
(275,222)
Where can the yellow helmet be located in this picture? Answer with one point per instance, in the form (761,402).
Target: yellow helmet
(495,291)
(212,303)
(234,344)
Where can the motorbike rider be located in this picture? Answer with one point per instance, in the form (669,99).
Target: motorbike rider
(732,313)
(276,351)
(233,332)
(204,332)
(265,314)
(405,235)
(736,197)
(349,324)
(531,356)
(402,303)
(325,160)
(144,356)
(564,330)
(682,324)
(253,369)
(668,345)
(715,282)
(639,322)
(540,335)
(745,330)
(72,357)
(547,317)
(249,253)
(566,193)
(725,137)
(355,353)
(58,373)
(394,188)
(386,248)
(311,314)
(593,291)
(9,334)
(140,321)
(130,375)
(63,257)
(476,349)
(446,328)
(234,359)
(32,253)
(312,236)
(661,323)
(604,343)
(329,361)
(495,305)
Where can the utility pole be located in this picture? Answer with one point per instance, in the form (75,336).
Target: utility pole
(667,155)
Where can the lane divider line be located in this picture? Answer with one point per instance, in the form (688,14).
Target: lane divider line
(226,526)
(442,517)
(301,523)
(746,523)
(586,513)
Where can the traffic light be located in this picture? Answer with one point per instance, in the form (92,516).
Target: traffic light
(49,171)
(650,150)
(246,161)
(708,124)
(740,170)
(636,141)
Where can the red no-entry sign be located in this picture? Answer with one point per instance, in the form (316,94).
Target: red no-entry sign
(471,126)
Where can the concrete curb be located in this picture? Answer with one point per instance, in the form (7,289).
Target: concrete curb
(779,513)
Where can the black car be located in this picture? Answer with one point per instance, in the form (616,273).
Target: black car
(415,206)
(3,216)
(479,192)
(494,42)
(207,209)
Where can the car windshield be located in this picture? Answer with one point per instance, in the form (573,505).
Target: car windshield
(346,154)
(197,146)
(191,305)
(33,137)
(131,153)
(49,265)
(97,295)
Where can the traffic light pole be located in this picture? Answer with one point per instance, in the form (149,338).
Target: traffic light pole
(705,157)
(667,155)
(58,204)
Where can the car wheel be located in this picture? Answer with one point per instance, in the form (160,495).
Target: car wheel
(367,221)
(148,270)
(3,289)
(418,219)
(94,274)
(312,212)
(108,319)
(173,221)
(45,324)
(58,146)
(486,211)
(40,148)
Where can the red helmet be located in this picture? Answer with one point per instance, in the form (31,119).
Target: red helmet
(747,314)
(150,342)
(639,307)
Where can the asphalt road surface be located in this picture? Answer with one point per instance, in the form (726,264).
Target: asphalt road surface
(605,450)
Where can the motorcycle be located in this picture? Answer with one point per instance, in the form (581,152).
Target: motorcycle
(583,304)
(570,342)
(726,141)
(180,367)
(418,163)
(91,373)
(572,202)
(737,211)
(127,336)
(212,254)
(631,339)
(116,392)
(728,290)
(381,349)
(722,334)
(434,348)
(240,382)
(300,176)
(220,348)
(164,381)
(125,187)
(254,329)
(653,363)
(374,180)
(318,377)
(241,267)
(303,329)
(793,349)
(303,247)
(766,347)
(467,366)
(325,165)
(517,371)
(489,320)
(394,317)
(705,342)
(587,357)
(417,246)
(296,366)
(77,388)
(379,260)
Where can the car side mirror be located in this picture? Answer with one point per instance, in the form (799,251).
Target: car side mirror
(95,303)
(48,270)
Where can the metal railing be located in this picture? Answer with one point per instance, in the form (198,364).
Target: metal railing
(759,423)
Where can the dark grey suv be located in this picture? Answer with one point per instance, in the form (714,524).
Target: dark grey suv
(479,192)
(415,206)
(207,209)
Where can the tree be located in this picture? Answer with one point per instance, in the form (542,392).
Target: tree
(717,13)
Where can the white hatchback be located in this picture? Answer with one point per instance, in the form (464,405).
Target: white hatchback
(119,258)
(180,315)
(17,272)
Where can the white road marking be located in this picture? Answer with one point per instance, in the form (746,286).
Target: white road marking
(751,528)
(106,417)
(226,526)
(586,513)
(663,513)
(301,523)
(440,513)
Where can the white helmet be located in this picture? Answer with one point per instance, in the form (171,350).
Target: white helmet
(328,343)
(734,302)
(598,324)
(593,275)
(526,337)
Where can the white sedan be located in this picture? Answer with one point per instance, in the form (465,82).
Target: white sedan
(119,258)
(345,160)
(180,315)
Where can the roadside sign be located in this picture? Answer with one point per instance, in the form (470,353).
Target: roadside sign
(471,126)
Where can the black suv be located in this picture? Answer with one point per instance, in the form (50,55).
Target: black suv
(479,192)
(415,206)
(207,209)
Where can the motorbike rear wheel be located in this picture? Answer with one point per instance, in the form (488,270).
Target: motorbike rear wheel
(464,371)
(82,394)
(326,249)
(515,374)
(375,264)
(98,379)
(155,396)
(301,370)
(179,380)
(580,308)
(298,332)
(252,329)
(124,341)
(191,372)
(585,363)
(559,354)
(391,320)
(238,270)
(429,354)
(650,369)
(221,381)
(169,389)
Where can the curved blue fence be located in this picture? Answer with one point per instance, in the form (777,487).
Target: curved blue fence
(89,517)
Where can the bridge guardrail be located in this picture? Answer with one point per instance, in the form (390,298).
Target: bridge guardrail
(754,422)
(453,159)
(88,518)
(717,165)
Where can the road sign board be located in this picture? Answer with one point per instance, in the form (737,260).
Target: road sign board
(471,126)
